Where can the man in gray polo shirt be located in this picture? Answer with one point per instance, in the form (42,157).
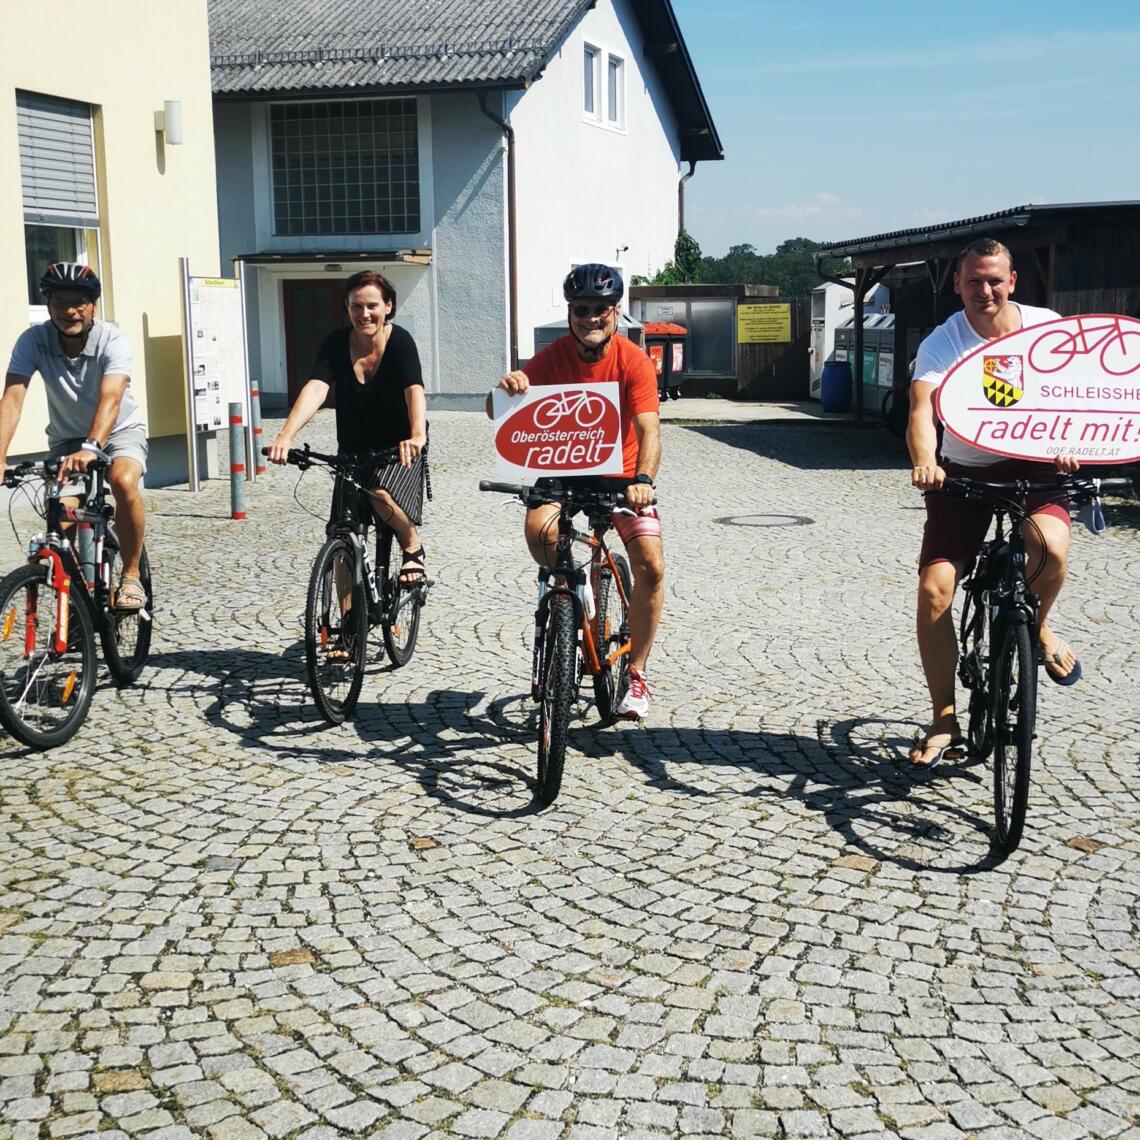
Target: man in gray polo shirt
(86,366)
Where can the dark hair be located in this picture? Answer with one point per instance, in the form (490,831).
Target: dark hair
(984,247)
(365,278)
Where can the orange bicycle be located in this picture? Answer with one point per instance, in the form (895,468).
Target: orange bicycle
(581,625)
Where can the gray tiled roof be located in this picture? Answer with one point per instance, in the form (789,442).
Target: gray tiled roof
(263,46)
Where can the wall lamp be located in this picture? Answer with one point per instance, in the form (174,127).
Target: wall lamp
(168,121)
(619,251)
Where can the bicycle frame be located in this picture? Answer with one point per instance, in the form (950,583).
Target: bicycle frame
(53,546)
(571,583)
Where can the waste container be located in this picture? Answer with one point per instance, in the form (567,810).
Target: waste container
(835,386)
(667,345)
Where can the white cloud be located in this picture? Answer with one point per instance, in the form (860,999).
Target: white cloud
(824,206)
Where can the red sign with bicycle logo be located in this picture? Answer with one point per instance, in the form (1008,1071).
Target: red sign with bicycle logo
(1068,387)
(563,429)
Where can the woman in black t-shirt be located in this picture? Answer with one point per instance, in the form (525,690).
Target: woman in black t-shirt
(374,369)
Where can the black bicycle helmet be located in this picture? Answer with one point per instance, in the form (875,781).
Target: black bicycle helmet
(73,276)
(593,280)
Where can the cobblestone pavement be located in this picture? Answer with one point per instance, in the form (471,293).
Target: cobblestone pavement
(221,918)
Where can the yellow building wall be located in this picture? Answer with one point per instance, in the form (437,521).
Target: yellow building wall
(157,202)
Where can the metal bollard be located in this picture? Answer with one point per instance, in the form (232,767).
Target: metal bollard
(255,420)
(237,467)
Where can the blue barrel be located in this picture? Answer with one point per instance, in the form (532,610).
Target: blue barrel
(835,386)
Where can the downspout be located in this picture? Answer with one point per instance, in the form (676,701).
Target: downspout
(681,196)
(512,229)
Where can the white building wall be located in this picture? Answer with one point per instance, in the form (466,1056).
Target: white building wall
(586,189)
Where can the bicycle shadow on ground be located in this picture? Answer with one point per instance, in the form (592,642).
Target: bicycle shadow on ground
(854,773)
(813,447)
(263,699)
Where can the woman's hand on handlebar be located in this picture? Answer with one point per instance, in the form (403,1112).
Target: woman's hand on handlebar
(1069,464)
(410,448)
(278,450)
(927,476)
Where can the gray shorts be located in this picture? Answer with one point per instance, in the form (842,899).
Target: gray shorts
(129,443)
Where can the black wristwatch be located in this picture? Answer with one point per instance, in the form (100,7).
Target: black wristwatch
(643,478)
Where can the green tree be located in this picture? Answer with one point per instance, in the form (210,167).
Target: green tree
(790,268)
(685,267)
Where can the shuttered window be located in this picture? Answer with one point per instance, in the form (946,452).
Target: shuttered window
(57,161)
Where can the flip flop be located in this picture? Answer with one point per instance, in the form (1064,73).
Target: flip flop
(1054,657)
(950,746)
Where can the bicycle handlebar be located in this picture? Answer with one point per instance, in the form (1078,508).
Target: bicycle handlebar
(47,469)
(1079,488)
(568,493)
(304,457)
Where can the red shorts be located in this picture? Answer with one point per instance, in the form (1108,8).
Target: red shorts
(955,529)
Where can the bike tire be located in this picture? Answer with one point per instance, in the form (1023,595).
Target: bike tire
(559,680)
(400,619)
(125,634)
(974,672)
(335,681)
(611,631)
(1014,711)
(45,708)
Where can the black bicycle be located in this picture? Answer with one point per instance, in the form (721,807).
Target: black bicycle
(346,598)
(51,608)
(998,634)
(581,624)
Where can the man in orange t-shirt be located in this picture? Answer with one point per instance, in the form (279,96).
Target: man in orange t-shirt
(591,352)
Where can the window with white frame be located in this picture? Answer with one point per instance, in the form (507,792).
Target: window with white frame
(615,91)
(591,81)
(57,179)
(603,86)
(346,167)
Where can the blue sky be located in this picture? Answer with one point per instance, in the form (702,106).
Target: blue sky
(840,120)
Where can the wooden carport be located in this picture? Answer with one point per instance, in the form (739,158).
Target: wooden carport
(1081,257)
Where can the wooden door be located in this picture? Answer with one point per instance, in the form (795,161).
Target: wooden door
(313,309)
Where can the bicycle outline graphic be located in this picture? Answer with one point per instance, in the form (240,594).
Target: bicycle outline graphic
(555,408)
(1067,344)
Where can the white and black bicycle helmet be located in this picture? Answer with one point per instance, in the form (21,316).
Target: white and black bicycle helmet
(70,275)
(593,280)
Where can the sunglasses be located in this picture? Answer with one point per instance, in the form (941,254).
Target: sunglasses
(584,311)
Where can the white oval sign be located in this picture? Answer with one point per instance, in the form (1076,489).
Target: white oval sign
(1068,387)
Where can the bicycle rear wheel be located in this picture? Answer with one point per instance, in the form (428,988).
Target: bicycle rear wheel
(400,620)
(44,696)
(336,630)
(611,632)
(559,679)
(1014,710)
(125,634)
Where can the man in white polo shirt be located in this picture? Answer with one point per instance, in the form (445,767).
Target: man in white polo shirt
(985,280)
(85,364)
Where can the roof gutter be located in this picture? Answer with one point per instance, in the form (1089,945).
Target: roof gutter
(512,228)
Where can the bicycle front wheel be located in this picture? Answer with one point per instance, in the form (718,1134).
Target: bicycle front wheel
(125,633)
(973,669)
(1014,711)
(336,630)
(400,621)
(44,695)
(559,679)
(611,633)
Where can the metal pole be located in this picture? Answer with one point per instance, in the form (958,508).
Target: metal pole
(254,466)
(188,379)
(237,464)
(255,417)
